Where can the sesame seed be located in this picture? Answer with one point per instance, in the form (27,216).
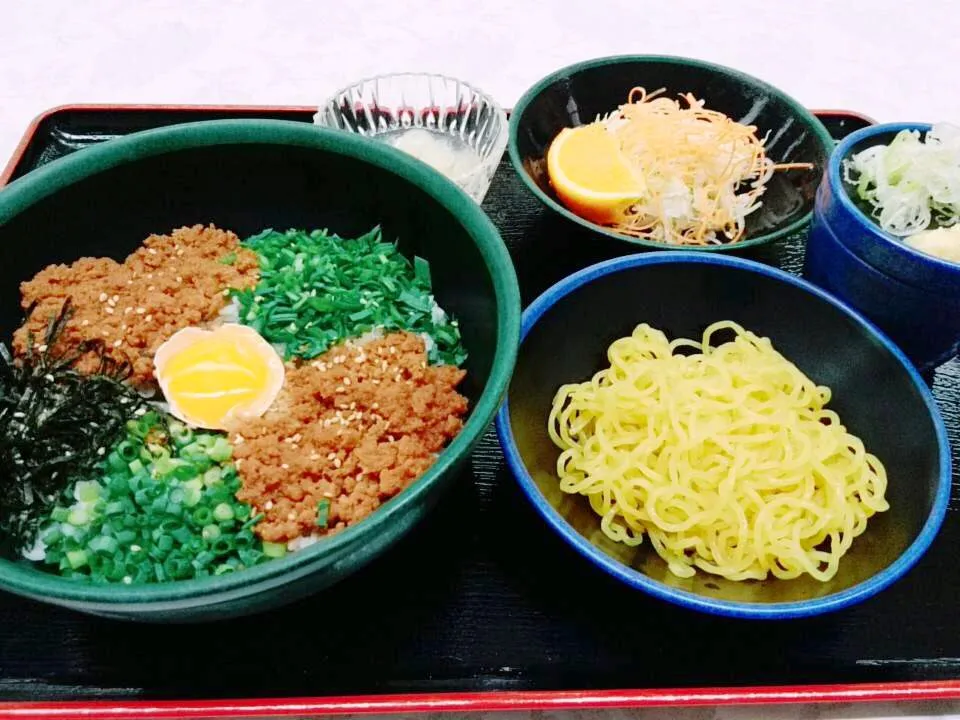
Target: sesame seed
(268,505)
(346,381)
(336,461)
(141,311)
(127,310)
(117,343)
(101,451)
(314,456)
(179,253)
(398,377)
(390,438)
(375,381)
(41,348)
(291,515)
(151,288)
(238,439)
(340,389)
(393,350)
(375,406)
(148,318)
(332,456)
(284,466)
(179,279)
(115,299)
(108,310)
(152,251)
(105,332)
(85,323)
(328,494)
(103,297)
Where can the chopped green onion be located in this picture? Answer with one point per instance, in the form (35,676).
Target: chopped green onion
(323,512)
(171,519)
(274,550)
(317,289)
(86,491)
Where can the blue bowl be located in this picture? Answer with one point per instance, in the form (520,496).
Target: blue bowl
(912,296)
(565,334)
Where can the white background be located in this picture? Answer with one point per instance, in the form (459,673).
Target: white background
(894,60)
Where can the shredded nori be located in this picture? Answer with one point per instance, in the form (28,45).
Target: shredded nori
(55,424)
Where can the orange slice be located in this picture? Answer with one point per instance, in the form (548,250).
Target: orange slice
(590,175)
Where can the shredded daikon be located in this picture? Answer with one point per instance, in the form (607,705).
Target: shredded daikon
(910,183)
(700,172)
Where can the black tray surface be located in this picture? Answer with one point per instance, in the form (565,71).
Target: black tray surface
(481,596)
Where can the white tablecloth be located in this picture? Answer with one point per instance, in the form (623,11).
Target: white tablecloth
(890,59)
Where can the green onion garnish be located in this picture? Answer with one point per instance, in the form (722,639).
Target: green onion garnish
(171,514)
(317,289)
(323,513)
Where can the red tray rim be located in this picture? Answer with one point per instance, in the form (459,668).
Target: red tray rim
(447,702)
(498,701)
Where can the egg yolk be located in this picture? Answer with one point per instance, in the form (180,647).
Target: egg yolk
(211,376)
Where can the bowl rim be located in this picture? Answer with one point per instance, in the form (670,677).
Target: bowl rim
(819,131)
(841,190)
(492,160)
(684,598)
(43,182)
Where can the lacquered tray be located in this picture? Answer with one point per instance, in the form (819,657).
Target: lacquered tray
(482,607)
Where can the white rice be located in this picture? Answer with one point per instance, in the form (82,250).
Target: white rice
(300,543)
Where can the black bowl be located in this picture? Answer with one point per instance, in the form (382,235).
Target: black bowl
(577,94)
(876,391)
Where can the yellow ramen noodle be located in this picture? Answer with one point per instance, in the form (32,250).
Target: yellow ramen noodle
(723,454)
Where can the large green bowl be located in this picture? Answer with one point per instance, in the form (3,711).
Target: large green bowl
(246,175)
(578,94)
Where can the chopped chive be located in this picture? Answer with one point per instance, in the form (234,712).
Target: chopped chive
(323,513)
(170,520)
(317,289)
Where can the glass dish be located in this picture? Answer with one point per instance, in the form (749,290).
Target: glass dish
(447,123)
